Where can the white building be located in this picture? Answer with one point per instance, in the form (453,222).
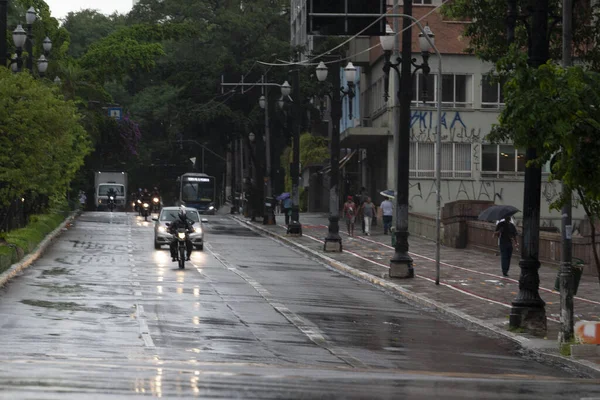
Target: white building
(472,168)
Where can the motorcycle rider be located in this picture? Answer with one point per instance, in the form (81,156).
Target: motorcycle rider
(111,193)
(156,194)
(181,222)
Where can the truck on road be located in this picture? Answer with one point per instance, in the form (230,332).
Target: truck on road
(103,182)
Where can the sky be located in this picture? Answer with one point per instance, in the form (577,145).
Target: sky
(60,8)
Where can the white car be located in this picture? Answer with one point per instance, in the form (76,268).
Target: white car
(170,214)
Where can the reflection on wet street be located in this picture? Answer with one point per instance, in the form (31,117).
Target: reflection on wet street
(103,313)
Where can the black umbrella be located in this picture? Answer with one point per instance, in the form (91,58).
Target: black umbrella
(496,213)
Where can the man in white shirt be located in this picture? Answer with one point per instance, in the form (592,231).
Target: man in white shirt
(387,211)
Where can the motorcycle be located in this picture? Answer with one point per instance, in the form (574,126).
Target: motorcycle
(156,204)
(111,203)
(145,210)
(182,238)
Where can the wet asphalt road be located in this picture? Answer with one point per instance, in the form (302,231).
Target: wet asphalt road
(104,315)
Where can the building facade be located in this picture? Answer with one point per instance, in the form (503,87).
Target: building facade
(472,167)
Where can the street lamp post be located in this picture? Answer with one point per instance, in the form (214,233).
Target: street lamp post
(30,18)
(3,38)
(401,264)
(336,94)
(269,213)
(294,227)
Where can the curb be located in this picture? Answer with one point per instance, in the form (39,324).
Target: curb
(581,366)
(37,252)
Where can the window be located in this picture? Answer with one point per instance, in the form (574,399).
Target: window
(491,92)
(422,1)
(424,88)
(457,90)
(455,160)
(502,161)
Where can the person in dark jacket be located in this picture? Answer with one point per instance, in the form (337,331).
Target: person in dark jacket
(506,232)
(182,222)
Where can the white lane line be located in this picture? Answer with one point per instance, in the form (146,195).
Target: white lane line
(143,326)
(310,330)
(138,293)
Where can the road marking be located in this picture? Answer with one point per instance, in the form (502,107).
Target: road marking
(309,329)
(138,293)
(143,326)
(461,290)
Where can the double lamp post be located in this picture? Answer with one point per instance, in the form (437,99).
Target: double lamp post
(336,93)
(24,39)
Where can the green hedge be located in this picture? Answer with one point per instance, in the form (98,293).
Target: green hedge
(22,241)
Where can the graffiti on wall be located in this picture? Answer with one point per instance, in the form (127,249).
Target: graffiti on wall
(423,127)
(463,190)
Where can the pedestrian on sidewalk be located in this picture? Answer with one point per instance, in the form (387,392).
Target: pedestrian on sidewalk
(368,212)
(507,234)
(287,209)
(387,211)
(350,215)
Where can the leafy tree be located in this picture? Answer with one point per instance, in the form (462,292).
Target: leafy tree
(486,33)
(42,142)
(89,26)
(555,110)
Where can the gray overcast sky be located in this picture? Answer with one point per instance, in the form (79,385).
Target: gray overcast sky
(60,8)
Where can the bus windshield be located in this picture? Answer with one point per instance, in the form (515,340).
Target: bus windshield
(198,190)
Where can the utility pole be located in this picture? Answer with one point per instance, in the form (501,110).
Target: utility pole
(566,270)
(295,228)
(3,29)
(528,309)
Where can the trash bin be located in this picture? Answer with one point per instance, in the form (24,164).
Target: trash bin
(269,211)
(577,268)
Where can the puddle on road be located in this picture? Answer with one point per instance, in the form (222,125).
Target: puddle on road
(56,271)
(71,306)
(62,289)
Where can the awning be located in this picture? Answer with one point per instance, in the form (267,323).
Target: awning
(342,163)
(364,137)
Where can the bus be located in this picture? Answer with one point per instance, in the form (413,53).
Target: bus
(199,191)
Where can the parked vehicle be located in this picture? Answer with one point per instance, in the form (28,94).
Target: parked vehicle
(169,214)
(103,183)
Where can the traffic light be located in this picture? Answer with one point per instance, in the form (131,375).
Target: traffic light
(342,24)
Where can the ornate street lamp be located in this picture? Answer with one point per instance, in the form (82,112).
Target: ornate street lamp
(47,45)
(42,65)
(401,264)
(333,240)
(19,37)
(30,18)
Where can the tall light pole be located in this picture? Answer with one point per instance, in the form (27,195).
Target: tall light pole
(294,227)
(269,213)
(401,264)
(3,29)
(336,93)
(30,17)
(528,309)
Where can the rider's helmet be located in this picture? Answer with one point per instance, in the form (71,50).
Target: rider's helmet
(182,213)
(139,190)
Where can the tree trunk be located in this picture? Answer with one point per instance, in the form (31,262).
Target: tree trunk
(593,230)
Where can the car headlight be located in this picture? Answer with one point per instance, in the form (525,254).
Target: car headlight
(162,229)
(146,205)
(133,204)
(111,198)
(181,235)
(211,208)
(198,229)
(155,199)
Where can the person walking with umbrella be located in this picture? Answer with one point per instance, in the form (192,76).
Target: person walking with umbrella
(506,232)
(286,202)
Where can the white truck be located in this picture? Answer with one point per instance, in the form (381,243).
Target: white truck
(103,182)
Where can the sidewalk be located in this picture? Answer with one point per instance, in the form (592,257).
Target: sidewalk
(471,288)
